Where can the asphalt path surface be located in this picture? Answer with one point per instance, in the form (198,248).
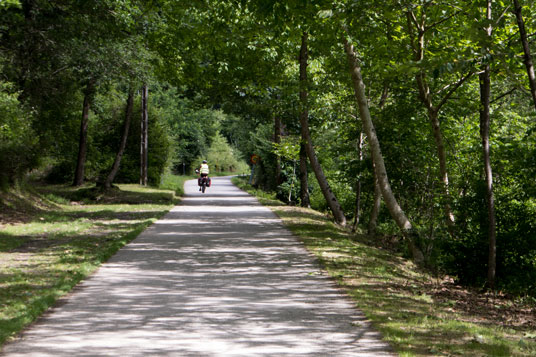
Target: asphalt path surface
(218,275)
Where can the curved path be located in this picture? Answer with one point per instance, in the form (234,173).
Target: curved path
(217,276)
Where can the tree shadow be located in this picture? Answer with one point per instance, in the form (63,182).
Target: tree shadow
(220,276)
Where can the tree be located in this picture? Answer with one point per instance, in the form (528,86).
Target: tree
(126,127)
(527,58)
(417,29)
(306,137)
(89,93)
(277,140)
(144,137)
(485,95)
(304,181)
(379,166)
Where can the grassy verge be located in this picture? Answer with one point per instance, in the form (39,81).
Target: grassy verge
(419,315)
(54,237)
(175,183)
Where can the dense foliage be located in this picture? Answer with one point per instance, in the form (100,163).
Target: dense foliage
(222,73)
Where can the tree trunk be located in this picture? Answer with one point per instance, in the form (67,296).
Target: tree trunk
(144,137)
(126,126)
(277,140)
(377,199)
(443,173)
(357,211)
(485,94)
(379,166)
(433,115)
(82,141)
(527,58)
(376,205)
(331,200)
(304,181)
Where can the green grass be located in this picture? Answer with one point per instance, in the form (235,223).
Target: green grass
(60,235)
(400,300)
(175,183)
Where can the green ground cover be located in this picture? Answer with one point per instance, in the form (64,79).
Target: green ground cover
(417,313)
(55,236)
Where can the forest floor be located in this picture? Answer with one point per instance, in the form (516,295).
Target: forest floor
(418,313)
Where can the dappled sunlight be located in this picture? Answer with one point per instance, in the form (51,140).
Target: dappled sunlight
(218,276)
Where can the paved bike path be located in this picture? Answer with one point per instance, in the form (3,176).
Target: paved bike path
(217,276)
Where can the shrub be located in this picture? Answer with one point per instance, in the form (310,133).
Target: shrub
(18,142)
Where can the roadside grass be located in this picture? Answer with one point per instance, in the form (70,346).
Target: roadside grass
(404,303)
(55,236)
(175,183)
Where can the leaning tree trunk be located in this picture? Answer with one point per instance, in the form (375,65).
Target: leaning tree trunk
(331,200)
(304,180)
(485,94)
(527,58)
(144,137)
(379,166)
(126,126)
(82,141)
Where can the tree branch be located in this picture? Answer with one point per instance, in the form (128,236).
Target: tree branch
(504,95)
(502,15)
(426,28)
(411,16)
(453,89)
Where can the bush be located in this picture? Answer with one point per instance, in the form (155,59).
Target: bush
(516,246)
(18,142)
(466,257)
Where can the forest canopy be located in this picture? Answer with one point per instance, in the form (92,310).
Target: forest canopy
(414,119)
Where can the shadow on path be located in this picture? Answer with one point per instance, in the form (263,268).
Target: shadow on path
(217,276)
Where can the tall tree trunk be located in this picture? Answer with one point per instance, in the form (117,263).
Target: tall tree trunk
(357,210)
(527,58)
(485,94)
(331,200)
(433,115)
(304,180)
(126,126)
(277,140)
(379,166)
(433,112)
(82,141)
(376,205)
(144,136)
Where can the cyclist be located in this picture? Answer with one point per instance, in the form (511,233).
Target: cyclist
(203,172)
